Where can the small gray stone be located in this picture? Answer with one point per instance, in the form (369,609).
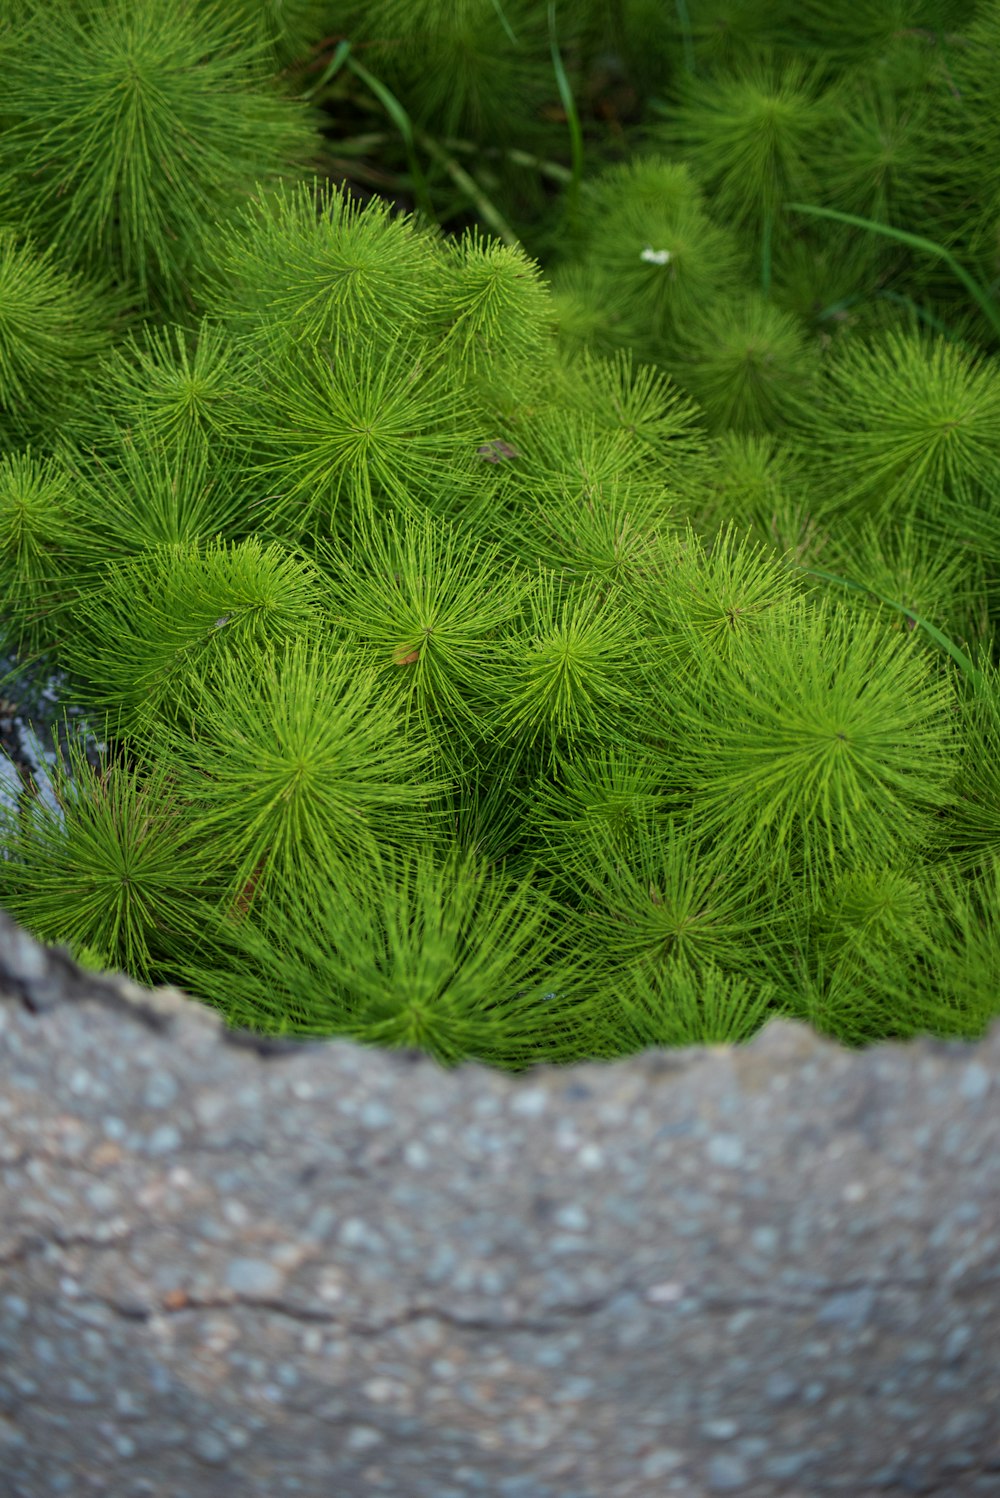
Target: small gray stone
(786,1464)
(164,1140)
(363,1438)
(975,1082)
(720,1430)
(726,1474)
(375,1115)
(161,1090)
(102,1196)
(765,1240)
(726,1149)
(253,1277)
(10,1436)
(849,1308)
(661,1463)
(779,1388)
(573,1218)
(210,1448)
(956,1343)
(79,1392)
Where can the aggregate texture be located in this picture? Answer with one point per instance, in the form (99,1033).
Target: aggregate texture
(232,1269)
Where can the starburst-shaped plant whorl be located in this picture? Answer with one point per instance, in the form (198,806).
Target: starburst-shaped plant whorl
(584,315)
(746,362)
(659,254)
(437,952)
(884,954)
(940,581)
(461,64)
(705,602)
(750,136)
(171,387)
(355,424)
(303,763)
(891,36)
(759,483)
(574,673)
(675,1004)
(879,158)
(54,327)
(906,424)
(865,907)
(608,537)
(149,626)
(973,140)
(160,126)
(661,893)
(304,265)
(142,493)
(431,610)
(113,865)
(976,816)
(828,739)
(613,789)
(495,306)
(950,982)
(719,35)
(36,532)
(287,29)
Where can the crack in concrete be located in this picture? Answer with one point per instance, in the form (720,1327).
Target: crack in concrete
(37,1243)
(809,1302)
(308,1315)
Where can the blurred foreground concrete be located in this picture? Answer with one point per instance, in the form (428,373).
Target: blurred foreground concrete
(333,1272)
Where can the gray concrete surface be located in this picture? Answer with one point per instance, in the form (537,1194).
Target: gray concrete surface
(329,1271)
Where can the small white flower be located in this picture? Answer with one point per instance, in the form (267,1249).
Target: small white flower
(655,257)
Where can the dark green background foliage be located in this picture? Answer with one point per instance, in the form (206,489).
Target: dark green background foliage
(514,487)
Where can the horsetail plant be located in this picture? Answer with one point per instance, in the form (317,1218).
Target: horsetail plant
(530,648)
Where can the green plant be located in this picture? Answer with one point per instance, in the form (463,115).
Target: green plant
(526,647)
(163,121)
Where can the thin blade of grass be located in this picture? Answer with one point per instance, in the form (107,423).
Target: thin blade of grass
(983,301)
(844,304)
(921,312)
(572,116)
(509,30)
(958,656)
(331,70)
(684,21)
(471,189)
(401,120)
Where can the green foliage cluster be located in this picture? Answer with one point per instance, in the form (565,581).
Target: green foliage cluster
(514,664)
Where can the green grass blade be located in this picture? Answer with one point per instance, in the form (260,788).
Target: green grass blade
(921,312)
(684,21)
(980,296)
(508,29)
(572,116)
(386,98)
(845,303)
(331,70)
(401,120)
(468,185)
(958,656)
